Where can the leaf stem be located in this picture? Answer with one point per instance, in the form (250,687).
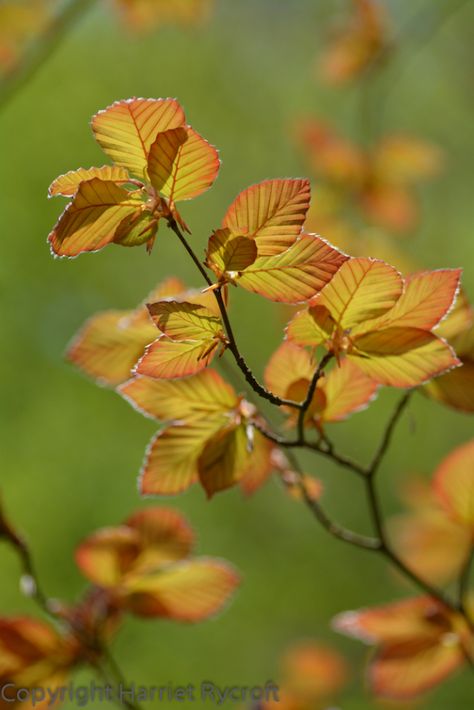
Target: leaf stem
(232,343)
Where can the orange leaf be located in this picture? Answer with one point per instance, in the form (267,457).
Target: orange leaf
(224,459)
(362,289)
(202,395)
(137,229)
(260,465)
(68,184)
(405,669)
(33,655)
(151,537)
(171,460)
(146,15)
(287,365)
(228,254)
(171,359)
(312,326)
(91,220)
(402,357)
(272,212)
(430,543)
(357,45)
(189,591)
(427,298)
(454,484)
(347,390)
(110,343)
(182,164)
(127,129)
(455,388)
(296,274)
(184,320)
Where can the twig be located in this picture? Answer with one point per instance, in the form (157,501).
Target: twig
(31,585)
(333,528)
(42,48)
(389,430)
(232,343)
(318,373)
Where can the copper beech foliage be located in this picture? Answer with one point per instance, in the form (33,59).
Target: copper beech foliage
(358,325)
(145,567)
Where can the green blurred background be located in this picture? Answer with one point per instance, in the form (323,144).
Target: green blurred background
(70,450)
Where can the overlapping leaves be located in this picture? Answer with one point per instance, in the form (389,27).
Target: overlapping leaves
(419,644)
(158,160)
(146,567)
(208,437)
(262,246)
(370,315)
(342,392)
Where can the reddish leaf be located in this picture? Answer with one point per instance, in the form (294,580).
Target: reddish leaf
(271,212)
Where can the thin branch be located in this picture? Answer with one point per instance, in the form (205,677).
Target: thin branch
(333,528)
(42,48)
(318,373)
(328,452)
(29,577)
(387,437)
(232,343)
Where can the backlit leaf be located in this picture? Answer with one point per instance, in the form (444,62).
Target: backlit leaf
(402,357)
(362,289)
(190,591)
(427,298)
(228,254)
(182,164)
(68,184)
(296,274)
(456,388)
(347,390)
(454,484)
(183,320)
(127,129)
(170,465)
(149,538)
(312,326)
(110,343)
(91,220)
(170,359)
(287,364)
(203,394)
(136,229)
(272,212)
(224,459)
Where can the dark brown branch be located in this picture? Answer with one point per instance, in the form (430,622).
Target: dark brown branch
(232,343)
(387,437)
(29,578)
(333,528)
(318,373)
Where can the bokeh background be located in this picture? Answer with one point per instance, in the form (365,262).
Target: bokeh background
(70,451)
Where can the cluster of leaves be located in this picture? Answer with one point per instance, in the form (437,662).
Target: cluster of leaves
(358,44)
(419,641)
(376,327)
(143,567)
(378,181)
